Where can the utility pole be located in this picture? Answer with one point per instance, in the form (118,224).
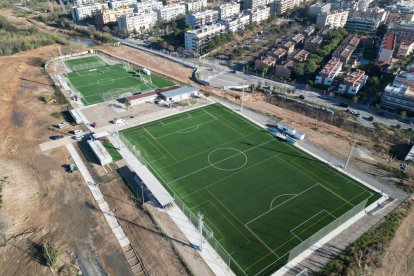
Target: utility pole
(350,152)
(200,217)
(242,99)
(142,194)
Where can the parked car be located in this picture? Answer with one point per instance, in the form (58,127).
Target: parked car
(77,131)
(62,125)
(344,105)
(370,118)
(118,121)
(56,137)
(301,97)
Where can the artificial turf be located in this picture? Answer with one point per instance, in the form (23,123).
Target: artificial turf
(93,83)
(79,63)
(261,196)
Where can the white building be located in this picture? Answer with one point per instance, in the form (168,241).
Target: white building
(195,6)
(199,19)
(332,19)
(403,30)
(121,3)
(150,5)
(329,72)
(228,10)
(400,94)
(100,151)
(79,13)
(319,8)
(197,40)
(406,48)
(353,82)
(236,24)
(259,15)
(140,22)
(253,4)
(362,24)
(280,7)
(170,12)
(179,94)
(364,4)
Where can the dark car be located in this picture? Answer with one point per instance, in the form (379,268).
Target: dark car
(370,118)
(301,97)
(344,105)
(56,137)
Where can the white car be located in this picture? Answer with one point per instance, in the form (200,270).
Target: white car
(63,125)
(118,121)
(77,131)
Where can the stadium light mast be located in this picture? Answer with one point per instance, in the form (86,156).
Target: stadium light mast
(242,99)
(200,217)
(350,152)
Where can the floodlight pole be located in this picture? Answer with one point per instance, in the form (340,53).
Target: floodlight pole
(242,99)
(200,217)
(350,152)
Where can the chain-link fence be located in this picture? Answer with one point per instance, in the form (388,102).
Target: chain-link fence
(133,149)
(296,251)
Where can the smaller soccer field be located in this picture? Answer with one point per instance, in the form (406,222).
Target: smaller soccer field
(261,197)
(100,83)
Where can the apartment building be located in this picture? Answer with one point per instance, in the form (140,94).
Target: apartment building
(332,19)
(280,7)
(319,8)
(345,50)
(236,24)
(197,40)
(170,12)
(362,24)
(149,5)
(195,6)
(228,10)
(267,62)
(279,53)
(254,4)
(387,48)
(171,2)
(344,5)
(121,3)
(289,47)
(308,31)
(363,4)
(300,56)
(138,22)
(79,13)
(298,39)
(403,30)
(259,15)
(106,16)
(327,75)
(406,48)
(400,94)
(353,82)
(200,19)
(312,43)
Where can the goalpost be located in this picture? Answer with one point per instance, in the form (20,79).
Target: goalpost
(87,66)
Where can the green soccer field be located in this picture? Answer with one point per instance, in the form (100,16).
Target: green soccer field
(84,63)
(261,196)
(98,83)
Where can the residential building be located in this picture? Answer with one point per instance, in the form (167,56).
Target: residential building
(406,48)
(280,7)
(149,5)
(279,53)
(298,39)
(387,48)
(289,47)
(319,8)
(327,75)
(362,24)
(308,31)
(195,6)
(170,12)
(138,22)
(197,40)
(344,5)
(285,69)
(402,7)
(121,3)
(400,94)
(106,16)
(403,30)
(312,43)
(200,19)
(83,2)
(254,4)
(345,50)
(267,62)
(79,13)
(259,15)
(332,19)
(353,82)
(364,4)
(236,24)
(228,10)
(300,56)
(171,2)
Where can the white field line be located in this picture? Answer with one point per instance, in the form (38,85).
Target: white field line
(329,190)
(186,117)
(259,239)
(292,230)
(96,83)
(231,156)
(271,203)
(261,215)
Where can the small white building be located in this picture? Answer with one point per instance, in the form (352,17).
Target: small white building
(195,6)
(179,94)
(259,15)
(170,12)
(100,152)
(228,10)
(75,115)
(196,40)
(332,19)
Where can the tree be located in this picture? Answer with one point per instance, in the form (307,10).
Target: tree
(299,69)
(310,66)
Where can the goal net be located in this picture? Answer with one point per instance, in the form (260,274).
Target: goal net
(87,66)
(119,93)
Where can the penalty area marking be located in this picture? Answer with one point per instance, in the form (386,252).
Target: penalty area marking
(214,164)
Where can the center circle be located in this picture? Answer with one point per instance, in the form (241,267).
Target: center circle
(227,159)
(105,81)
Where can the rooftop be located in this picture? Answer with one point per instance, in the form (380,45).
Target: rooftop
(332,67)
(297,38)
(388,42)
(179,91)
(355,78)
(406,42)
(288,44)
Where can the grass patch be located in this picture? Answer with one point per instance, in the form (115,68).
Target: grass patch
(116,156)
